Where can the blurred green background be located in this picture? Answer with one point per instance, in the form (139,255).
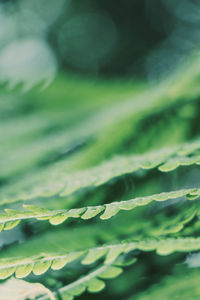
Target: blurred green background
(102,78)
(145,38)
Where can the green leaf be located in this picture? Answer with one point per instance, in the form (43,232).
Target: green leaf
(113,253)
(5,273)
(166,159)
(11,224)
(58,219)
(89,282)
(91,212)
(59,263)
(95,285)
(110,211)
(110,272)
(170,165)
(23,271)
(41,267)
(93,255)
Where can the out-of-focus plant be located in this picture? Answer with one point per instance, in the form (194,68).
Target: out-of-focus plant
(99,175)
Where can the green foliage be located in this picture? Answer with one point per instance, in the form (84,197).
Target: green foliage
(180,285)
(90,282)
(11,218)
(119,174)
(39,265)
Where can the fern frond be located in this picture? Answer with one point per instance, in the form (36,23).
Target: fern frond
(11,218)
(92,282)
(165,160)
(36,125)
(38,265)
(113,145)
